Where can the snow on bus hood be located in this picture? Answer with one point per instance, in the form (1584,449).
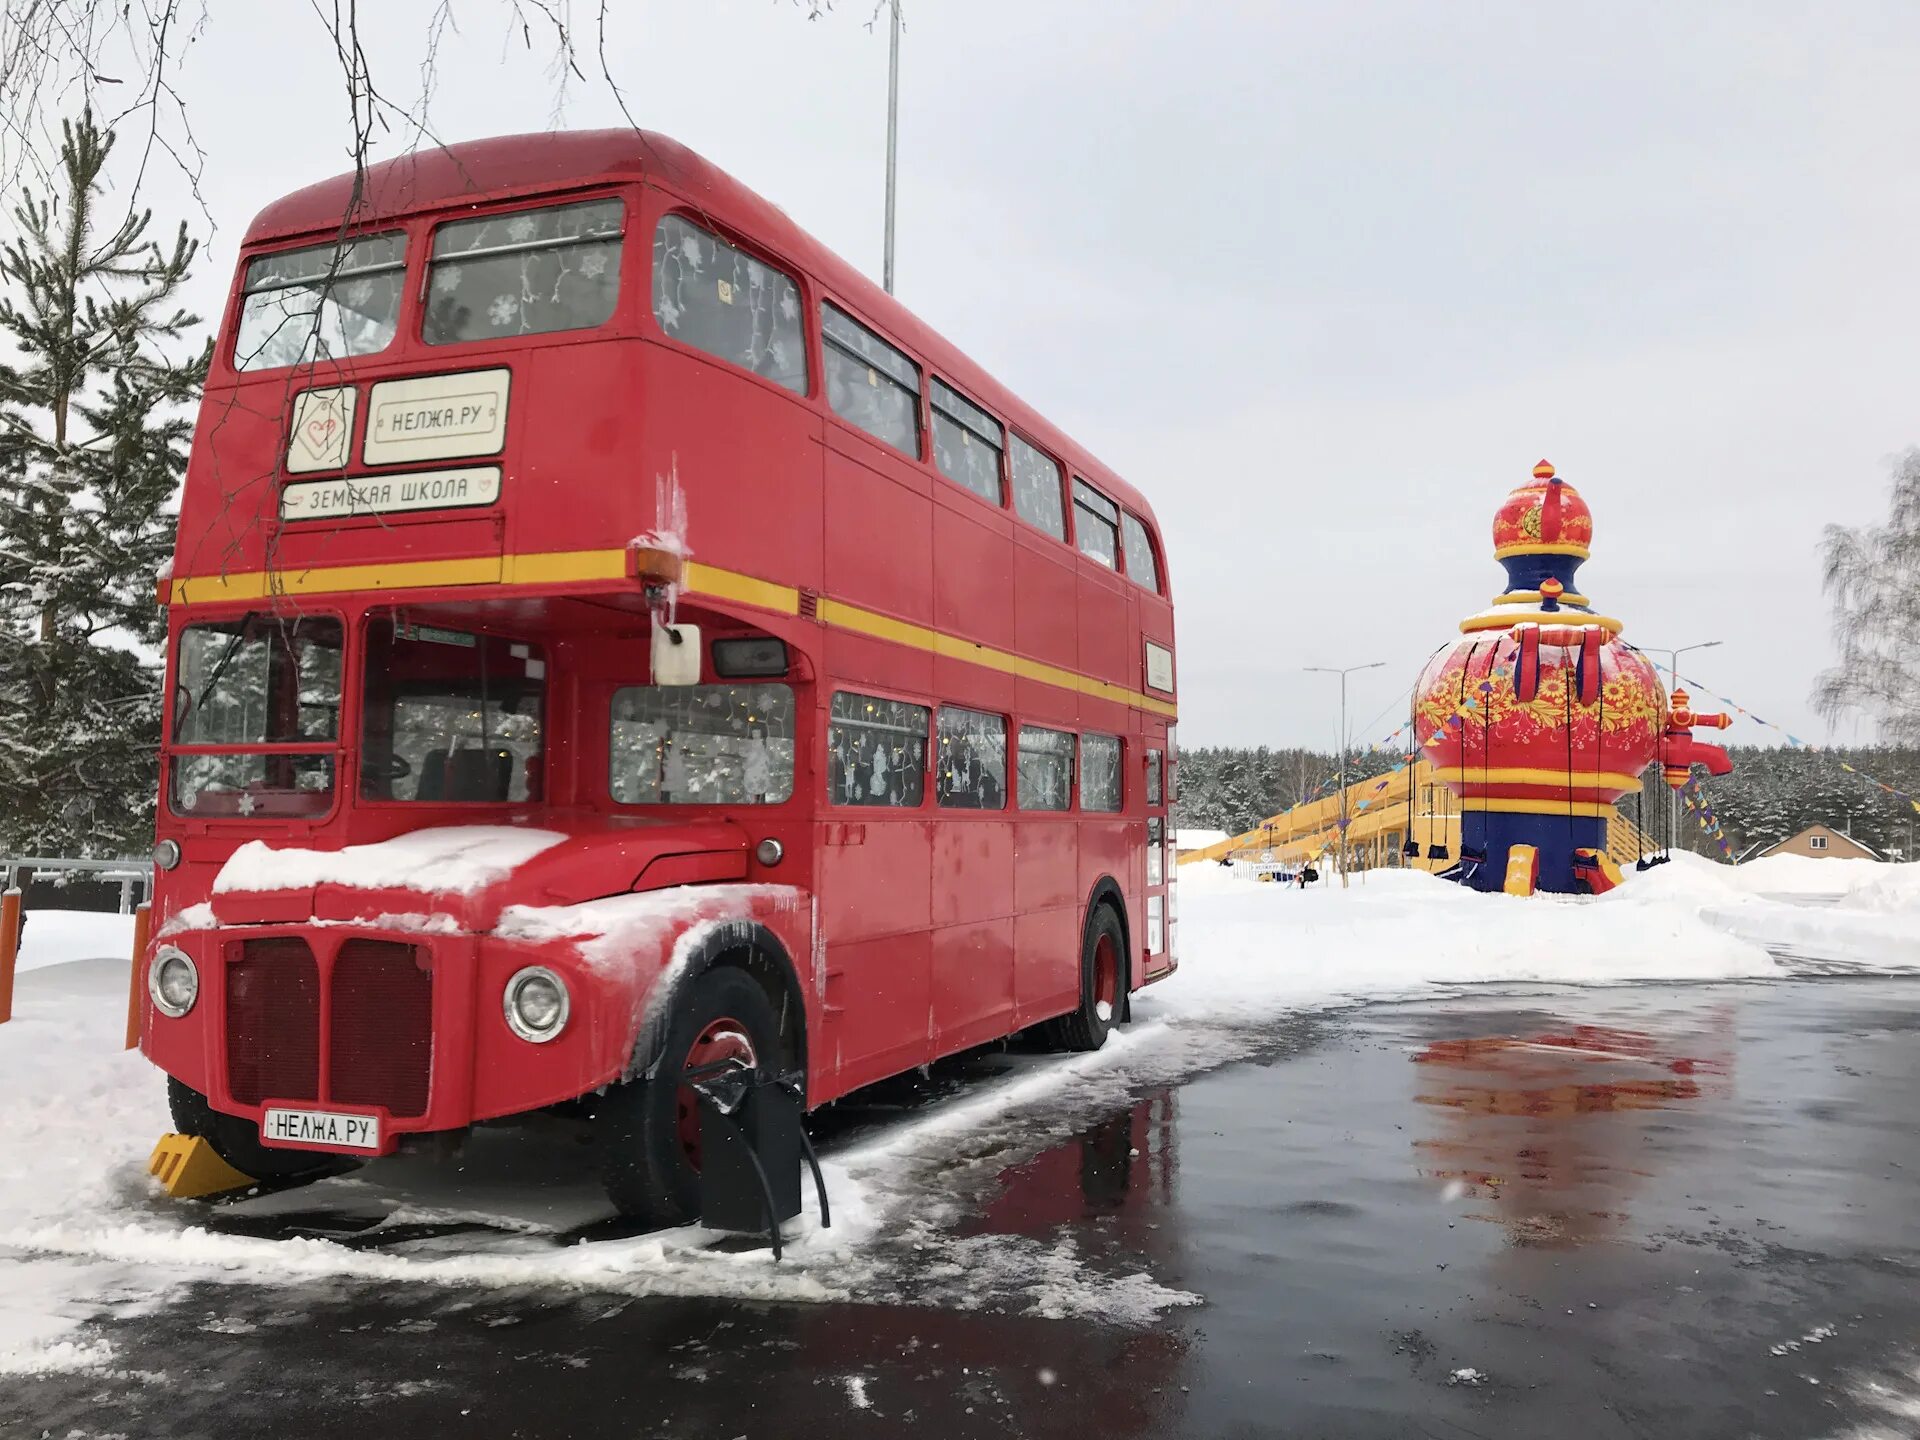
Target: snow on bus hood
(451,860)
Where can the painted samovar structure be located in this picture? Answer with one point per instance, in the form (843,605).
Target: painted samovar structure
(1539,718)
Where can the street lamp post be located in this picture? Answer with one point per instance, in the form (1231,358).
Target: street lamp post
(1330,670)
(893,135)
(1673,683)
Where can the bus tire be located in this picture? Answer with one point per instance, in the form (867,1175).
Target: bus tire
(1103,984)
(648,1128)
(237,1139)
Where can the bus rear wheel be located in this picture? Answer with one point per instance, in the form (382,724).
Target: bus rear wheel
(649,1129)
(237,1140)
(1103,984)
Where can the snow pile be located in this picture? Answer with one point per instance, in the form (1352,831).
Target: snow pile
(615,927)
(1865,923)
(54,937)
(1805,876)
(1251,951)
(1892,890)
(450,860)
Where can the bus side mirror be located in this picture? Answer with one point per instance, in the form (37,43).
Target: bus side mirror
(676,654)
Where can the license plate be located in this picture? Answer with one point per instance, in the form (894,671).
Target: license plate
(320,1127)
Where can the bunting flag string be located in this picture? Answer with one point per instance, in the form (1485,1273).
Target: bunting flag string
(1702,811)
(1797,743)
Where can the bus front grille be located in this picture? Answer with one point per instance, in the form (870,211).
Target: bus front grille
(381,1040)
(273,1022)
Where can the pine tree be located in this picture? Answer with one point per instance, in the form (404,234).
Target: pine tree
(93,440)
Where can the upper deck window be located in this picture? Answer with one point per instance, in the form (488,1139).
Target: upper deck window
(527,272)
(1140,562)
(723,301)
(966,443)
(870,383)
(321,303)
(1096,525)
(1036,490)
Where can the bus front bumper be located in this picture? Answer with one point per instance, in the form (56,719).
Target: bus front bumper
(347,1039)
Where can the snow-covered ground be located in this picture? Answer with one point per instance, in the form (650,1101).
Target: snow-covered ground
(82,1228)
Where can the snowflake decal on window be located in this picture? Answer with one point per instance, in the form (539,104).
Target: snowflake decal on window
(521,227)
(690,250)
(503,310)
(593,264)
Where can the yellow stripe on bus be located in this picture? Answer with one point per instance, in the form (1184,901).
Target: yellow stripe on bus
(561,567)
(884,627)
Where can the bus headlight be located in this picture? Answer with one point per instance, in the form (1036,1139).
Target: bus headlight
(536,1004)
(173,980)
(166,854)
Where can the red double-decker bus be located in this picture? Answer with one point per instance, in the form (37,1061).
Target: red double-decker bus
(610,637)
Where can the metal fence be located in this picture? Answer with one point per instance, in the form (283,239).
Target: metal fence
(128,872)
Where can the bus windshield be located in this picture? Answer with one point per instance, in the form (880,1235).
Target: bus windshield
(450,715)
(260,681)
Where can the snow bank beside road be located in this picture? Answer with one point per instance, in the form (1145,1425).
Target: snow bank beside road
(1251,951)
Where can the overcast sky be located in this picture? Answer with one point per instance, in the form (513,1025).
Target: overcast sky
(1323,280)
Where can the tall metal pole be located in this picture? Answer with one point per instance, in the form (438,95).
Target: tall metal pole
(1330,670)
(893,133)
(1343,779)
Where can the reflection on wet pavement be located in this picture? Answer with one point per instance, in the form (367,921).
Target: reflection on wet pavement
(1542,1130)
(1651,1211)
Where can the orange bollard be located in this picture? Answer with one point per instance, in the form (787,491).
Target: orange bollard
(9,950)
(136,982)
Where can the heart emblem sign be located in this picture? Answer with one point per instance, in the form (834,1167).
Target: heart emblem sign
(319,434)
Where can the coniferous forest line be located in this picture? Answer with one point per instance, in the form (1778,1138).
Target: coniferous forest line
(1771,794)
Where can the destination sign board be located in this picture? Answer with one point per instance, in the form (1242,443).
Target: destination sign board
(437,417)
(342,498)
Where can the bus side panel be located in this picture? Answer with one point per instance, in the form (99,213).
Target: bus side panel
(746,456)
(879,531)
(1045,621)
(973,944)
(1046,930)
(1106,632)
(1111,845)
(972,569)
(879,1007)
(876,912)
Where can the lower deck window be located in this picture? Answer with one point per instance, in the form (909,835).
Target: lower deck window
(1100,773)
(702,745)
(876,751)
(972,769)
(1046,769)
(450,716)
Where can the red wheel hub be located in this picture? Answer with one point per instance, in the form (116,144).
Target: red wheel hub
(723,1039)
(1106,975)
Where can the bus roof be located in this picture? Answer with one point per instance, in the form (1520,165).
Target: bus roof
(480,171)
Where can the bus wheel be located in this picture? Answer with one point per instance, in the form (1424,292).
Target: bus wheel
(1103,984)
(237,1139)
(649,1130)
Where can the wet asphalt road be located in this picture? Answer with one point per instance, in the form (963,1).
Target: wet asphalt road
(1657,1211)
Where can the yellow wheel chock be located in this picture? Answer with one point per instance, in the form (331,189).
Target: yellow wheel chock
(191,1169)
